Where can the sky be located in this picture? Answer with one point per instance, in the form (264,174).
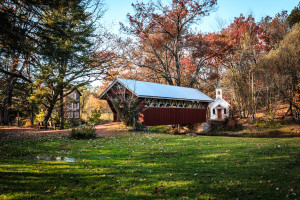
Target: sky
(226,11)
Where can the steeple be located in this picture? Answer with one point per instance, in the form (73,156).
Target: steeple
(218,91)
(218,85)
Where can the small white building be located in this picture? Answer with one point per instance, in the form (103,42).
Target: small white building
(219,109)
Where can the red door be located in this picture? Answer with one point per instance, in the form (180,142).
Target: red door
(219,113)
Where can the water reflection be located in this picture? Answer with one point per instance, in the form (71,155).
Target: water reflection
(103,157)
(54,158)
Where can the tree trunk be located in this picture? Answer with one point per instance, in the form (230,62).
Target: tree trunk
(8,99)
(31,116)
(62,113)
(290,110)
(252,95)
(49,112)
(31,109)
(18,119)
(1,115)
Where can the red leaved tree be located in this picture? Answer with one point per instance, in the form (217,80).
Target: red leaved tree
(249,44)
(161,36)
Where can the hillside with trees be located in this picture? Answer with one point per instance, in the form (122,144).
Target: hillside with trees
(50,49)
(257,62)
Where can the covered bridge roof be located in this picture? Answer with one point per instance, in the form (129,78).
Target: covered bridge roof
(160,91)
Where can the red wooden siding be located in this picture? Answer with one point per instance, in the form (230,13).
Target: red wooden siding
(167,116)
(113,110)
(154,116)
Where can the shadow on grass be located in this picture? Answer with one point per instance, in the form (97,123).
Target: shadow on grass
(153,167)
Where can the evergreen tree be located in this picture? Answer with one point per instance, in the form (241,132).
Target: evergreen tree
(294,17)
(67,55)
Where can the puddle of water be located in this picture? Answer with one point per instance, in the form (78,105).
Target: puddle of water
(103,157)
(54,158)
(63,152)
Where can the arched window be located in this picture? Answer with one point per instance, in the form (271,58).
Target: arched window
(214,111)
(219,92)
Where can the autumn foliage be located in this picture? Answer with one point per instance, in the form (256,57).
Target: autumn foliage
(161,33)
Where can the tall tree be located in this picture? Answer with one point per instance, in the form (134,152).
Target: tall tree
(68,58)
(17,39)
(250,44)
(206,50)
(275,28)
(161,33)
(284,63)
(294,17)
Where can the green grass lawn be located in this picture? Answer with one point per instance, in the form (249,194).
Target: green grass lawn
(152,166)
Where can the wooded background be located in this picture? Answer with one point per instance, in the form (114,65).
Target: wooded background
(49,49)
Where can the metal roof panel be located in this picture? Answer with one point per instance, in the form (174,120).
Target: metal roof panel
(162,91)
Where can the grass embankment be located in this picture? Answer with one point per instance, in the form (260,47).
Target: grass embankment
(261,128)
(275,128)
(151,166)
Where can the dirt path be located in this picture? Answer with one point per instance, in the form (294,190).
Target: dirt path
(10,132)
(109,129)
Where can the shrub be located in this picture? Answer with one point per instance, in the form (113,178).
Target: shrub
(55,118)
(160,129)
(40,116)
(139,126)
(95,118)
(75,122)
(67,124)
(87,132)
(267,124)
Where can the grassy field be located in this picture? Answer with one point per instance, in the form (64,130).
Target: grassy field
(151,166)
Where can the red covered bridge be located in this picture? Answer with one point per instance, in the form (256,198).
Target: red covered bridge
(162,104)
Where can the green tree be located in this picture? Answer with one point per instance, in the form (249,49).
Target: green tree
(68,58)
(294,17)
(17,41)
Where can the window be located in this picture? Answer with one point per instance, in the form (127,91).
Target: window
(70,115)
(214,111)
(225,111)
(219,92)
(76,114)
